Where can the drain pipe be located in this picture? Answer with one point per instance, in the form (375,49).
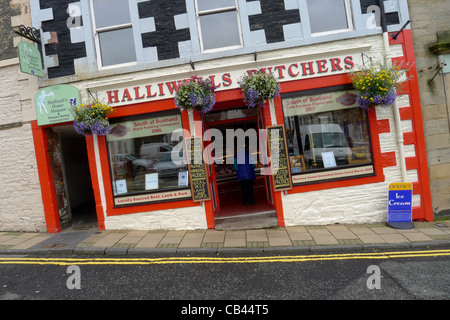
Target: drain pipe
(397,119)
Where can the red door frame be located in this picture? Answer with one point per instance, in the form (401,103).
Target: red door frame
(211,173)
(213,176)
(233,99)
(48,192)
(46,179)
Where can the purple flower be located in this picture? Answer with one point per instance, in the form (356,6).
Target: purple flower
(98,127)
(390,97)
(195,94)
(277,92)
(362,101)
(377,100)
(193,99)
(80,127)
(252,98)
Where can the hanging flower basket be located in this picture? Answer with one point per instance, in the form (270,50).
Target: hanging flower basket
(92,118)
(196,94)
(377,85)
(258,87)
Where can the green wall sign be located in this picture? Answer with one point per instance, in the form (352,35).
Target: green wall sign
(53,104)
(30,59)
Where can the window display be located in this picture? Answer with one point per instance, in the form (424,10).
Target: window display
(144,157)
(327,135)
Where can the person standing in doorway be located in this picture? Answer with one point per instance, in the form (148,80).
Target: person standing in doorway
(244,166)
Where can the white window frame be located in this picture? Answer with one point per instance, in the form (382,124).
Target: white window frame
(198,14)
(97,31)
(348,12)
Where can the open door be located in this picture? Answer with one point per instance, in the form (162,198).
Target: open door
(209,158)
(263,155)
(226,195)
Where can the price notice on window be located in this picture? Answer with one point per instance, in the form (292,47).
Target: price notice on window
(279,158)
(197,170)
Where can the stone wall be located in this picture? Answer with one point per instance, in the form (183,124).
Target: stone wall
(21,206)
(7,50)
(428,18)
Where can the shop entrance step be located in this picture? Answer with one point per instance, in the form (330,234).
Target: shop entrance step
(259,220)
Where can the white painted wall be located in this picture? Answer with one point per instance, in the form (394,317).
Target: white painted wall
(21,207)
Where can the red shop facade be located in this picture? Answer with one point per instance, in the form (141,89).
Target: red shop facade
(134,188)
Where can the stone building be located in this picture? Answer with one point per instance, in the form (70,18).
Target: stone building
(340,158)
(431,37)
(20,192)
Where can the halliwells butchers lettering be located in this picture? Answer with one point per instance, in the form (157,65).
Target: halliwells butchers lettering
(227,80)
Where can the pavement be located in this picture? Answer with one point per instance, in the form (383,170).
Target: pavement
(88,240)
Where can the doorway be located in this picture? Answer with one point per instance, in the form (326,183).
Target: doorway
(71,176)
(229,209)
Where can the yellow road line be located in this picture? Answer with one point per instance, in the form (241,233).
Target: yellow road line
(218,260)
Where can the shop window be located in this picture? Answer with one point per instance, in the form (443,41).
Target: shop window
(329,15)
(146,161)
(219,24)
(328,136)
(112,26)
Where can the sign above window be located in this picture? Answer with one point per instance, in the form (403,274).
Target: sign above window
(147,90)
(53,104)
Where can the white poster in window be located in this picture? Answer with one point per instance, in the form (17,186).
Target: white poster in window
(328,159)
(145,127)
(330,101)
(121,186)
(151,181)
(183,178)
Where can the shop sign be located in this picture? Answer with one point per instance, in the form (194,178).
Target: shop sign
(53,104)
(153,197)
(145,127)
(400,203)
(329,101)
(330,175)
(30,59)
(279,158)
(197,170)
(300,69)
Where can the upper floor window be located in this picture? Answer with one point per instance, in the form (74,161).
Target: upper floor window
(219,25)
(113,32)
(327,16)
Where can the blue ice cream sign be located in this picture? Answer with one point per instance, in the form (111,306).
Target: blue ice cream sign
(400,202)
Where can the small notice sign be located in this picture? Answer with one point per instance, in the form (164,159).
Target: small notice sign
(280,158)
(400,205)
(30,59)
(197,170)
(54,103)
